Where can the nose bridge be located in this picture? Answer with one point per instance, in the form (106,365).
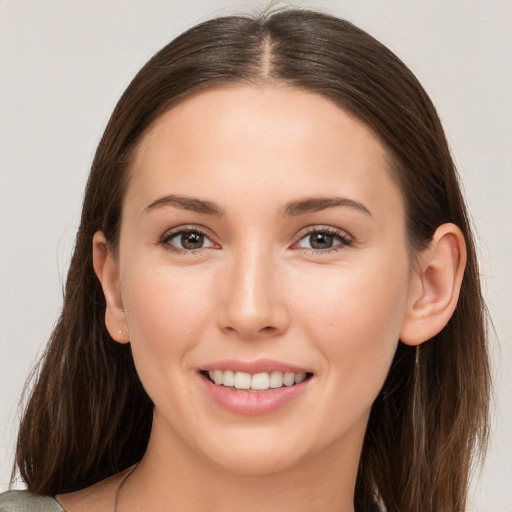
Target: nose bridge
(253,305)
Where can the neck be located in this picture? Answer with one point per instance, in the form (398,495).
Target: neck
(173,477)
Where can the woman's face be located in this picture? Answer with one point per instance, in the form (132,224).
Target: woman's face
(262,233)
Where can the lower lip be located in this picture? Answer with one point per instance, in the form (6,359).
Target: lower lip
(253,403)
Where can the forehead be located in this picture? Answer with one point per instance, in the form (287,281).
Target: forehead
(276,139)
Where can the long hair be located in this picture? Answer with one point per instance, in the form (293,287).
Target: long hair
(88,416)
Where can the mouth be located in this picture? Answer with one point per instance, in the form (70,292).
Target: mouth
(257,387)
(257,382)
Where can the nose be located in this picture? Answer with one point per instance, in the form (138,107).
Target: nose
(253,305)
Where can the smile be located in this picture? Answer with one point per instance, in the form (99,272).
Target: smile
(255,382)
(254,388)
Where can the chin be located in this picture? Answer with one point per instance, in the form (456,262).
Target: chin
(253,459)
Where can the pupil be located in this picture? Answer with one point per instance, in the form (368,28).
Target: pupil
(321,241)
(192,240)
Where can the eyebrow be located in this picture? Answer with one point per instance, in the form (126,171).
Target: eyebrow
(186,203)
(316,204)
(293,208)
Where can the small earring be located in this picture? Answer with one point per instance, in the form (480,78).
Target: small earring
(119,332)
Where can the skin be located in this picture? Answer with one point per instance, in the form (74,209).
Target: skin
(257,289)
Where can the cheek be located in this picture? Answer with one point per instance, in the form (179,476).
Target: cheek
(165,313)
(355,318)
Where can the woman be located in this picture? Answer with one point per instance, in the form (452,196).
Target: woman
(274,296)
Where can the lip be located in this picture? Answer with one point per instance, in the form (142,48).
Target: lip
(252,367)
(253,403)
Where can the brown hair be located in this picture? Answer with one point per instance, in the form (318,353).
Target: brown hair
(88,416)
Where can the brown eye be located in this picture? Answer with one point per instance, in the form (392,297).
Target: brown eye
(187,240)
(191,240)
(320,240)
(324,240)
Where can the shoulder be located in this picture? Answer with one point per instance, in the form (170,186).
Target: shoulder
(24,501)
(99,497)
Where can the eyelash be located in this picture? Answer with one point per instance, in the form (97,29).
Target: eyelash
(165,240)
(345,240)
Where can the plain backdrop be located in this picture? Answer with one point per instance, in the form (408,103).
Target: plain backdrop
(63,65)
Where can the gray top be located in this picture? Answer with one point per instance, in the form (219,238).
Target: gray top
(24,501)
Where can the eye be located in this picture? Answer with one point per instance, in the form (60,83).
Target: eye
(324,239)
(186,240)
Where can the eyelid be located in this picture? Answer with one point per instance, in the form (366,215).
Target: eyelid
(186,228)
(346,238)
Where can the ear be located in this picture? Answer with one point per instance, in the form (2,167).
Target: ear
(106,269)
(435,286)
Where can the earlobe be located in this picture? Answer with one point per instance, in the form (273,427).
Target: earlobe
(436,285)
(106,270)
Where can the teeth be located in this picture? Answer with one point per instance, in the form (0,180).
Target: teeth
(256,382)
(242,380)
(260,381)
(289,379)
(276,380)
(218,376)
(299,377)
(229,378)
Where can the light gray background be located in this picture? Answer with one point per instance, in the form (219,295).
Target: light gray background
(63,65)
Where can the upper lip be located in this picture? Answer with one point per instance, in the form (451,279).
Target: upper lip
(253,367)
